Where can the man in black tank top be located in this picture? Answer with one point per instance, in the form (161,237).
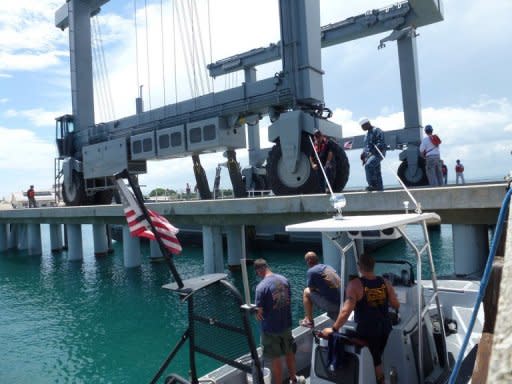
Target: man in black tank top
(369,296)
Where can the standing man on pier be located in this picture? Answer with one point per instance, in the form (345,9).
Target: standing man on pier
(371,157)
(429,149)
(31,195)
(273,305)
(459,172)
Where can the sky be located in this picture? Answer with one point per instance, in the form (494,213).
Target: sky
(464,70)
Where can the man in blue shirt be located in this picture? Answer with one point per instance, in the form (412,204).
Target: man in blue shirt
(322,291)
(273,298)
(371,157)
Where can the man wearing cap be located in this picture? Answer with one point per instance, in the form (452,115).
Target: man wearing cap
(429,149)
(326,152)
(373,153)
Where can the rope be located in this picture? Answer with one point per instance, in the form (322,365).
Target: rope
(210,41)
(174,52)
(418,205)
(483,284)
(147,52)
(186,44)
(163,46)
(136,45)
(104,72)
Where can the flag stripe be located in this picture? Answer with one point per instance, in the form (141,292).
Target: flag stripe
(139,225)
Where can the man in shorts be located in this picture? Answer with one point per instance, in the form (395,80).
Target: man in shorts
(322,291)
(273,298)
(369,297)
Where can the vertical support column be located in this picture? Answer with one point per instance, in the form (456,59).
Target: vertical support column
(236,244)
(131,249)
(4,241)
(74,236)
(99,232)
(56,243)
(470,248)
(109,239)
(22,237)
(34,244)
(12,236)
(212,250)
(410,81)
(154,251)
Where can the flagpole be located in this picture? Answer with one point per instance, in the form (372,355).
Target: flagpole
(165,252)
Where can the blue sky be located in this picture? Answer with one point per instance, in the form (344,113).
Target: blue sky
(464,65)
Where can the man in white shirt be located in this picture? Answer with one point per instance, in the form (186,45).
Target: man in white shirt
(429,149)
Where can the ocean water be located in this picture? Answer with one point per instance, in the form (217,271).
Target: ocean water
(94,321)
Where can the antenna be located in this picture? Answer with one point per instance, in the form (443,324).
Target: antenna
(418,205)
(338,201)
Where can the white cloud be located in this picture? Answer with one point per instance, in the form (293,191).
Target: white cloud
(38,116)
(25,159)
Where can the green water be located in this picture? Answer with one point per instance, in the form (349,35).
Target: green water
(94,321)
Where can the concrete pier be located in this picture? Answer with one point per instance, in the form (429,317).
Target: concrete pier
(235,235)
(34,244)
(155,252)
(74,234)
(470,248)
(12,236)
(22,241)
(99,232)
(131,249)
(4,240)
(212,250)
(56,241)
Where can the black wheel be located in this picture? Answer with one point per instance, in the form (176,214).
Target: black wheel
(416,180)
(342,169)
(282,182)
(75,193)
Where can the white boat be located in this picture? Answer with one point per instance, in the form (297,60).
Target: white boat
(413,354)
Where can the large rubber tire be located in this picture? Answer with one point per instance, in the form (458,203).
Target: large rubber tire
(304,181)
(419,179)
(342,169)
(75,194)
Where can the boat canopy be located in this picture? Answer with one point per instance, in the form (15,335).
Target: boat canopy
(362,223)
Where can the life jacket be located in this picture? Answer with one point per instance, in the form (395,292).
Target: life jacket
(434,139)
(459,168)
(31,194)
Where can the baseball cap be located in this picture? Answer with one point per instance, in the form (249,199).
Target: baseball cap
(428,128)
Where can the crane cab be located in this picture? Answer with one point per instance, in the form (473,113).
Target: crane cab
(64,134)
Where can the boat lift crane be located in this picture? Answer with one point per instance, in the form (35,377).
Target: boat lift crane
(90,153)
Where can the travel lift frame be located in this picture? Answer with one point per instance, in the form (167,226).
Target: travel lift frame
(90,153)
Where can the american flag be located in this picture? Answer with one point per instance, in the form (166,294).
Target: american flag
(140,227)
(347,144)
